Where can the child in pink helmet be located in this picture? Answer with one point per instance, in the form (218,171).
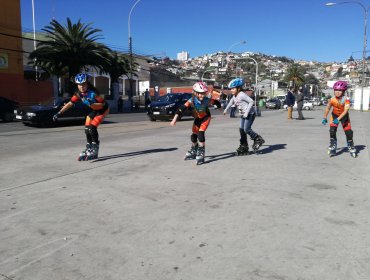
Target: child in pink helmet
(340,105)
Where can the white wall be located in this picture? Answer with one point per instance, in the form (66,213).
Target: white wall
(365,98)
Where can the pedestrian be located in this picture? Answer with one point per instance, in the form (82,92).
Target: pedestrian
(146,98)
(247,115)
(290,100)
(120,104)
(299,100)
(202,117)
(90,97)
(340,105)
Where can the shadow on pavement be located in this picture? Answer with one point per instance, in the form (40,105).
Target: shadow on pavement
(271,148)
(304,119)
(212,158)
(132,154)
(342,150)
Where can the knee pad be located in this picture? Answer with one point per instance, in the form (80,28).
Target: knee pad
(194,138)
(333,132)
(88,134)
(94,133)
(201,136)
(349,134)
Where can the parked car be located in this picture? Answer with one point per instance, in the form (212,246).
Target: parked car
(7,108)
(165,107)
(307,105)
(282,98)
(316,101)
(273,103)
(42,114)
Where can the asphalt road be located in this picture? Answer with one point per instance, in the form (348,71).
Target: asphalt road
(141,212)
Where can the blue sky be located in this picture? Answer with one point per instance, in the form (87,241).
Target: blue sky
(298,29)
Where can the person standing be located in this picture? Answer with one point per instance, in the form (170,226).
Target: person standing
(299,99)
(247,115)
(146,98)
(290,100)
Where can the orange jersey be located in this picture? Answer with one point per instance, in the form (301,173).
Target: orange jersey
(339,104)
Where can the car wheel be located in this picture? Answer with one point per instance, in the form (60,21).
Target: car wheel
(152,119)
(8,117)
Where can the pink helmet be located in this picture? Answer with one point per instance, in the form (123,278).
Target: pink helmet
(200,87)
(340,85)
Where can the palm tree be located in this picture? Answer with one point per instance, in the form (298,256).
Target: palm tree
(116,66)
(70,48)
(295,73)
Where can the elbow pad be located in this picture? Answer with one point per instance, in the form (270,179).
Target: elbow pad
(180,110)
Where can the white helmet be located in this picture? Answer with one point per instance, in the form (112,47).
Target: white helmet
(200,87)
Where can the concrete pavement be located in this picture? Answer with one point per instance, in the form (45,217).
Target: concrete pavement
(141,212)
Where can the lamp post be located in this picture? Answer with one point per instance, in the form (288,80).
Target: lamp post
(255,95)
(130,52)
(34,34)
(255,86)
(233,45)
(366,10)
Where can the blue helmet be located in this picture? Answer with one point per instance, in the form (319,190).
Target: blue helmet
(238,82)
(81,78)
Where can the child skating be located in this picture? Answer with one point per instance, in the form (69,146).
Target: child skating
(340,105)
(202,117)
(247,115)
(87,94)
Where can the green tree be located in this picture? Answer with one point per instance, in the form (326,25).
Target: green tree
(70,48)
(295,73)
(117,65)
(311,79)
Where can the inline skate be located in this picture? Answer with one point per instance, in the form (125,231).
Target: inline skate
(352,149)
(83,154)
(332,149)
(93,152)
(192,153)
(200,155)
(258,142)
(242,150)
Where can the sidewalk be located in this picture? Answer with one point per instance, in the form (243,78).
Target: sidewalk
(141,212)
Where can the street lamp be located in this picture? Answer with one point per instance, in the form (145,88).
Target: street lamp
(366,9)
(233,45)
(130,51)
(255,95)
(34,35)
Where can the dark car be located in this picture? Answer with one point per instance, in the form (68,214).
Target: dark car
(42,114)
(165,107)
(273,104)
(7,108)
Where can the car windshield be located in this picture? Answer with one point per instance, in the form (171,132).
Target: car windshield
(169,98)
(53,102)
